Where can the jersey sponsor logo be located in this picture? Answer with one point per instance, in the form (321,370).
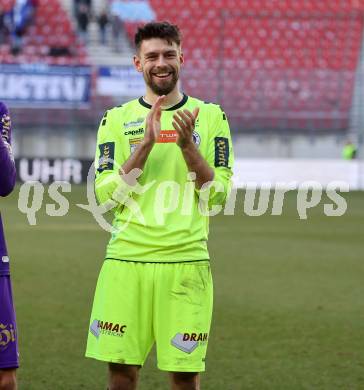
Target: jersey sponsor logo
(7,335)
(107,328)
(134,142)
(221,152)
(135,123)
(195,336)
(134,132)
(10,150)
(107,153)
(5,128)
(167,136)
(196,138)
(188,342)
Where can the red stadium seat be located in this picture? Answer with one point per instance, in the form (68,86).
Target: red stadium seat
(52,27)
(289,56)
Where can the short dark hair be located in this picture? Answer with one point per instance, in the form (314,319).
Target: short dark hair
(164,30)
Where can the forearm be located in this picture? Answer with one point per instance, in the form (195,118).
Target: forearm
(152,129)
(137,159)
(196,163)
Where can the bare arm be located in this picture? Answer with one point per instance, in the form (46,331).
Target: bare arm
(184,123)
(152,130)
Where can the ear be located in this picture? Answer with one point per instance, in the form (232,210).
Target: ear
(181,58)
(137,63)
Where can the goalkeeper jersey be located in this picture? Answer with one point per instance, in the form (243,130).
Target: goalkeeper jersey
(160,219)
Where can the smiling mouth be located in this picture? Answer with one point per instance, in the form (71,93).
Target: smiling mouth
(162,75)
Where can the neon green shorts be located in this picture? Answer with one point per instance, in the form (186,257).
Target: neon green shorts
(138,303)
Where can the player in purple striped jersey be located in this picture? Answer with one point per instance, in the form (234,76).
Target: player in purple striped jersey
(8,333)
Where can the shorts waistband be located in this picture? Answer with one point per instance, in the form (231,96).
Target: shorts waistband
(161,262)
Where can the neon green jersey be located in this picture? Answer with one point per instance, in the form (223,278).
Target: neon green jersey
(163,221)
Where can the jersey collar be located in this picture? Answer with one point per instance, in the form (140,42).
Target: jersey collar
(175,107)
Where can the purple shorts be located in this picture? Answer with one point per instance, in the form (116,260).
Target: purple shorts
(9,357)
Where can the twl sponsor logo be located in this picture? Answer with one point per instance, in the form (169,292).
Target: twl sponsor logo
(166,136)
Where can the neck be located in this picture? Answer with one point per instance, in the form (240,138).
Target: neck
(171,99)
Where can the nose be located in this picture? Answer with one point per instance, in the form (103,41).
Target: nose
(161,60)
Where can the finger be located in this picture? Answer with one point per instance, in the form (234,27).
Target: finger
(190,115)
(180,122)
(156,110)
(185,119)
(160,101)
(158,114)
(157,104)
(196,112)
(191,120)
(178,129)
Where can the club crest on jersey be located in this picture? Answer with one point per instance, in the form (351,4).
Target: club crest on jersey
(196,138)
(7,335)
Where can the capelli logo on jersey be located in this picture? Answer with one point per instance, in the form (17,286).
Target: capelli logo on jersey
(107,328)
(134,132)
(7,335)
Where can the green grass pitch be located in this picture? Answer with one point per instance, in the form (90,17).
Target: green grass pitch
(289,299)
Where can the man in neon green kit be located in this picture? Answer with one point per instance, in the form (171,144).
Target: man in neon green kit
(165,160)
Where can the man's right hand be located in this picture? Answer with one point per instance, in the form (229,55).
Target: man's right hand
(153,122)
(152,130)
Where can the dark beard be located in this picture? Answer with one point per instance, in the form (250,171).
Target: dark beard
(165,89)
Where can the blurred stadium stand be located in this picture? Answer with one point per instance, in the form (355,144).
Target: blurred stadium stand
(50,39)
(280,68)
(272,64)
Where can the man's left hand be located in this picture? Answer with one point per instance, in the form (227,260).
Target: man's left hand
(184,124)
